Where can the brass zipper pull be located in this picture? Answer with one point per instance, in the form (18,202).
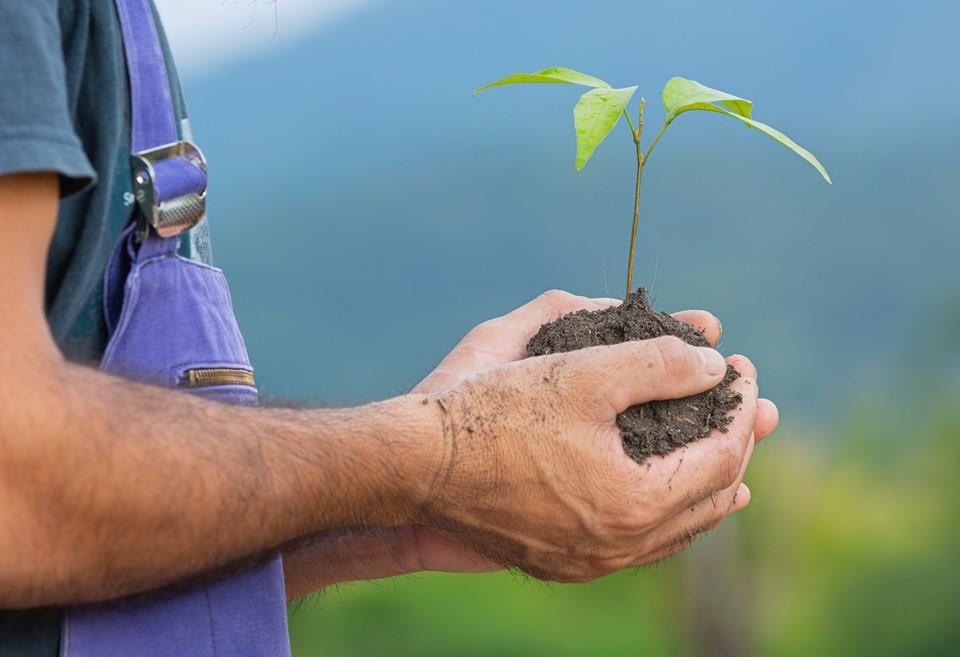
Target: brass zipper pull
(202,377)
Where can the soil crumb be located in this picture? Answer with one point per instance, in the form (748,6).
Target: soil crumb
(658,427)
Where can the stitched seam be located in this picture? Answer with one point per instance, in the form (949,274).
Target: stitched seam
(130,297)
(187,261)
(213,638)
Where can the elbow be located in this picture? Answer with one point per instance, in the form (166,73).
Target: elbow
(40,564)
(29,559)
(35,555)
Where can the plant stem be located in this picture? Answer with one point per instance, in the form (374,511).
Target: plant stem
(636,219)
(663,129)
(633,131)
(636,198)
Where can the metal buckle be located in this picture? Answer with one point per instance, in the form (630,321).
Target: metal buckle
(173,216)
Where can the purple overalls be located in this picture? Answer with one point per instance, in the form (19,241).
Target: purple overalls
(171,323)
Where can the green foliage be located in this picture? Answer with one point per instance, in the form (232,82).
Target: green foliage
(848,548)
(598,110)
(681,95)
(552,75)
(497,615)
(596,114)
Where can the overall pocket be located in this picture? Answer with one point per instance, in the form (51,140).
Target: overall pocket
(177,316)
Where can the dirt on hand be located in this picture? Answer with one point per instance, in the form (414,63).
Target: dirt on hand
(657,427)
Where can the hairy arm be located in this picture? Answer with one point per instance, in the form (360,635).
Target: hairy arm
(333,557)
(109,488)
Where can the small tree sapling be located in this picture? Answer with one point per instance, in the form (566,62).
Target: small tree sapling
(657,427)
(599,110)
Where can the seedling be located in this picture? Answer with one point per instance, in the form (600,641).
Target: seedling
(599,110)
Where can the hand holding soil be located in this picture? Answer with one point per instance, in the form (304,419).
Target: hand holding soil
(625,435)
(536,475)
(657,427)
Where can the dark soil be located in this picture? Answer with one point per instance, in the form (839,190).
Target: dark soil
(657,427)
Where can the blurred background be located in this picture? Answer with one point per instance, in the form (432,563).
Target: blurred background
(368,212)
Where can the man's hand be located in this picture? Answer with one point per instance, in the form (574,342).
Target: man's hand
(384,553)
(503,340)
(536,476)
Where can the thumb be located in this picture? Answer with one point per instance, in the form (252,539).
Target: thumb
(635,372)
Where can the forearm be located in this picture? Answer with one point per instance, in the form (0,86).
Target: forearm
(347,555)
(113,488)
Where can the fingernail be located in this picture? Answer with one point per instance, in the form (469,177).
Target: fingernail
(744,495)
(713,362)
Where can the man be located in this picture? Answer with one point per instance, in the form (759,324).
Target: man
(111,488)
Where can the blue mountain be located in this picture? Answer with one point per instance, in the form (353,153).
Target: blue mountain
(369,211)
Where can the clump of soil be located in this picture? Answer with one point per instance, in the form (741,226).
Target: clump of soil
(657,427)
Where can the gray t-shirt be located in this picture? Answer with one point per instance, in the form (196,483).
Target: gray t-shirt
(64,107)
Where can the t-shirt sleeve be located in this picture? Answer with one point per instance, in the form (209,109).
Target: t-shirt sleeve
(36,131)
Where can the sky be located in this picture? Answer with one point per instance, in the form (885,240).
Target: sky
(208,34)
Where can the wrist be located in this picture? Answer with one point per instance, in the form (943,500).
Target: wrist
(410,448)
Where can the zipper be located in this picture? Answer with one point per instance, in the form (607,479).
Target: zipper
(202,377)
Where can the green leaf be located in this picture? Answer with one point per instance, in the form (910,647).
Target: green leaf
(595,115)
(681,95)
(786,141)
(552,75)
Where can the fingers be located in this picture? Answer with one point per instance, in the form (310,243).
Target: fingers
(743,365)
(684,526)
(504,339)
(703,515)
(711,464)
(768,417)
(704,322)
(685,539)
(549,306)
(640,371)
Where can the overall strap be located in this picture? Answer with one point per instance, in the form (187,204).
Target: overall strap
(168,316)
(152,118)
(170,175)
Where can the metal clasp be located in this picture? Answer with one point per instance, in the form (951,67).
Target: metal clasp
(171,216)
